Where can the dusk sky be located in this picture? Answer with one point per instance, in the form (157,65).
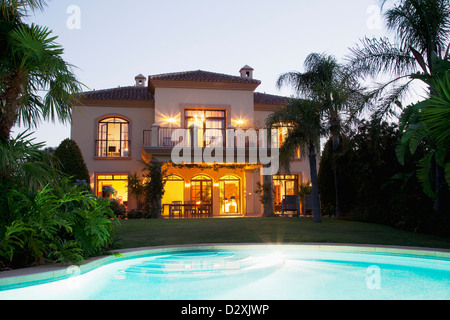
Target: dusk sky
(112,41)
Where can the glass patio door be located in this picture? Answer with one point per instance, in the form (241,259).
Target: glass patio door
(201,189)
(230,195)
(284,185)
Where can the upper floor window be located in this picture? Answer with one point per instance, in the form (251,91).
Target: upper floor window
(211,124)
(113,137)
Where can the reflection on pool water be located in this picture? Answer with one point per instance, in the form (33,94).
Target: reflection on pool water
(234,273)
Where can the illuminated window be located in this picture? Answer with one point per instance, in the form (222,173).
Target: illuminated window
(282,135)
(230,194)
(113,138)
(284,185)
(113,186)
(201,189)
(173,191)
(210,122)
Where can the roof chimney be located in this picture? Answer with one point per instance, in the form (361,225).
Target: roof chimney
(246,72)
(140,80)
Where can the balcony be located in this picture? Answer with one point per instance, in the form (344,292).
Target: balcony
(112,148)
(203,137)
(239,145)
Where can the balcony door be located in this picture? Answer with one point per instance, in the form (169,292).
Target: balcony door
(211,124)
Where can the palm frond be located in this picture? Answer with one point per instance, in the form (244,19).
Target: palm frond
(377,56)
(48,75)
(23,160)
(436,110)
(17,9)
(423,174)
(421,24)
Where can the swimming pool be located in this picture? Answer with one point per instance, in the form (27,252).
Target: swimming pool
(243,272)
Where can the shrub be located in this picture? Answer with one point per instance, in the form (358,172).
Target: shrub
(44,216)
(118,209)
(136,214)
(377,188)
(71,159)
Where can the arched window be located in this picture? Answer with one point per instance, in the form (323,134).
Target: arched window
(201,188)
(230,195)
(113,137)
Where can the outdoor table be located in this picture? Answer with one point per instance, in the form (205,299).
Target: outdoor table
(184,205)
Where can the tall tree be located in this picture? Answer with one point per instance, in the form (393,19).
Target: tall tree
(305,129)
(422,34)
(30,63)
(421,29)
(330,85)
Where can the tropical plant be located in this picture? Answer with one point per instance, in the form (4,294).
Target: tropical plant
(428,123)
(331,86)
(136,189)
(305,129)
(31,62)
(59,223)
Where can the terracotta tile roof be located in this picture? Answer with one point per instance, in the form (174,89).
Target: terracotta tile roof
(203,76)
(264,98)
(142,94)
(121,93)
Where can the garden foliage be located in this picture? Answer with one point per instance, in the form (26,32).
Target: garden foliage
(379,189)
(45,216)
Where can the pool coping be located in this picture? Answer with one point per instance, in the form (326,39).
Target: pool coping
(48,273)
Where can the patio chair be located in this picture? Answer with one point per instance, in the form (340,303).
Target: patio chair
(190,208)
(290,203)
(205,207)
(308,206)
(177,207)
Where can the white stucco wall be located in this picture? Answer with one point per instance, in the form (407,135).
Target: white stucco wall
(171,102)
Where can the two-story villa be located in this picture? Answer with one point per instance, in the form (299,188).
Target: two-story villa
(116,129)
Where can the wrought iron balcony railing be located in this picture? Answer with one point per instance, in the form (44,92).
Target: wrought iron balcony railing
(113,148)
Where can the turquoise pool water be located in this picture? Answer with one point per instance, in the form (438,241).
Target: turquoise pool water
(255,273)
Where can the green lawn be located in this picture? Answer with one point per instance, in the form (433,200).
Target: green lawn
(146,233)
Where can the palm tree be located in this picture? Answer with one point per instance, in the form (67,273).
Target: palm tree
(421,29)
(330,85)
(30,63)
(422,32)
(305,130)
